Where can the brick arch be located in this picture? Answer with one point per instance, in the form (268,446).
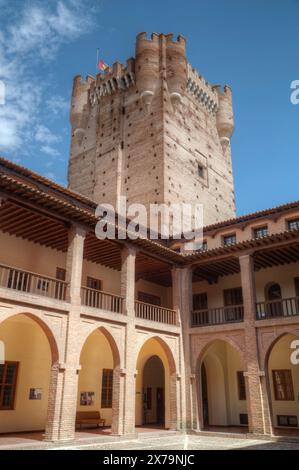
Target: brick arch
(116,391)
(44,326)
(197,372)
(210,342)
(278,337)
(112,343)
(172,374)
(265,362)
(166,349)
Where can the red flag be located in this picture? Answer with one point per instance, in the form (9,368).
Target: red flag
(102,65)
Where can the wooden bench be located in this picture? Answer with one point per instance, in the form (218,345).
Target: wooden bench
(89,417)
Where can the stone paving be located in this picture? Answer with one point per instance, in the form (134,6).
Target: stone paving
(163,441)
(191,443)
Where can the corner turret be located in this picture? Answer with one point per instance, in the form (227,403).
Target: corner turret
(80,106)
(147,66)
(225,115)
(176,68)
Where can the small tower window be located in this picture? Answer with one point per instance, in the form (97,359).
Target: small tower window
(200,171)
(293,224)
(260,232)
(229,240)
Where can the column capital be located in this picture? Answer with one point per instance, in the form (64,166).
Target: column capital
(129,248)
(260,373)
(185,268)
(245,254)
(78,229)
(66,367)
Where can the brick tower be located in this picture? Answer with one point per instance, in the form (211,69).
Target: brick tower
(155,131)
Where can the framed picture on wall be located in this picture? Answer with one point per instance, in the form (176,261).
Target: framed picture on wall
(86,398)
(35,393)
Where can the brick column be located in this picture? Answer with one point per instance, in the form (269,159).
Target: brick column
(256,401)
(128,375)
(182,303)
(64,377)
(117,402)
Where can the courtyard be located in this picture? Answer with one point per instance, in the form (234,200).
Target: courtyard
(151,441)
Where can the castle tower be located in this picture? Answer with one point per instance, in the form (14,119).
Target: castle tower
(155,131)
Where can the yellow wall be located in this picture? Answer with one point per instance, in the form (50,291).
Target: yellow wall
(26,343)
(110,277)
(30,256)
(222,362)
(280,359)
(96,355)
(155,289)
(150,348)
(283,275)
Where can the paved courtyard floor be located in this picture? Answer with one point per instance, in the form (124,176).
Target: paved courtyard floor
(154,438)
(180,442)
(161,441)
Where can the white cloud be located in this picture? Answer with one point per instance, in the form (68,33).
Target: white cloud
(31,39)
(18,114)
(51,151)
(45,136)
(57,105)
(8,133)
(41,31)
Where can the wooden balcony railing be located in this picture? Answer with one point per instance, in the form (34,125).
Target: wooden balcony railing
(277,308)
(26,281)
(102,300)
(155,313)
(217,316)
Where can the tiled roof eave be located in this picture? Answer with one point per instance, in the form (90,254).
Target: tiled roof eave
(85,216)
(243,246)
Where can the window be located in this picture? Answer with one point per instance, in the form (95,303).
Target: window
(241,385)
(233,300)
(233,296)
(274,307)
(204,246)
(93,283)
(243,418)
(260,232)
(107,386)
(201,171)
(229,240)
(60,288)
(149,298)
(283,384)
(60,274)
(8,380)
(293,224)
(273,291)
(200,301)
(287,420)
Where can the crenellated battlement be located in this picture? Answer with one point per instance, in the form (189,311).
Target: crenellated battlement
(156,37)
(111,84)
(202,90)
(119,77)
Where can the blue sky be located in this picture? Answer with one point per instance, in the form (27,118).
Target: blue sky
(250,44)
